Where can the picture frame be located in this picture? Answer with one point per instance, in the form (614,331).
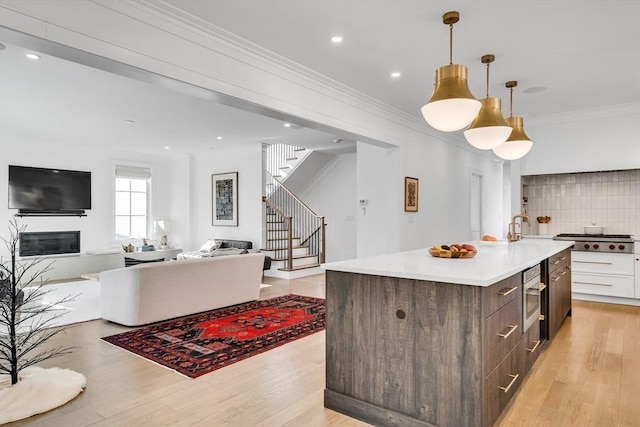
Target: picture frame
(224,199)
(411,194)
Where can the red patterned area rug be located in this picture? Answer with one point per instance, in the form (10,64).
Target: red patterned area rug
(198,344)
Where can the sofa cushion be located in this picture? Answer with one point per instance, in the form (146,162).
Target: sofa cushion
(128,262)
(238,244)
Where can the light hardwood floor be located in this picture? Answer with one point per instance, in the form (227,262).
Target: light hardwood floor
(589,375)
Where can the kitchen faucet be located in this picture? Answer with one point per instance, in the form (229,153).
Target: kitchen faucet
(512,234)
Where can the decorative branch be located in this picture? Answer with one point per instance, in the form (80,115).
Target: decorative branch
(26,325)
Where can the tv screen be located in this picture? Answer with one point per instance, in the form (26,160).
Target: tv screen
(44,189)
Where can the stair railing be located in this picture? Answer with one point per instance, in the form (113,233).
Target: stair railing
(277,156)
(305,224)
(278,227)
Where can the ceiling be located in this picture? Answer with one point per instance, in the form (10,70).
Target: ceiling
(586,54)
(57,101)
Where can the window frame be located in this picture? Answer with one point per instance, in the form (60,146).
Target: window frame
(149,198)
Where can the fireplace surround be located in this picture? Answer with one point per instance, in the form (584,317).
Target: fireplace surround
(49,243)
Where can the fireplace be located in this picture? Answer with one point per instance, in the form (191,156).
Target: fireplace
(49,243)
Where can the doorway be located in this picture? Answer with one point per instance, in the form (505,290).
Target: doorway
(475,205)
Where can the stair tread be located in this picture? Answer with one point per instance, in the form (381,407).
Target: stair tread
(282,238)
(282,249)
(296,257)
(302,267)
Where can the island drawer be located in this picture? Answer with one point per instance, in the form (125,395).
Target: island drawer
(496,296)
(501,385)
(502,332)
(556,260)
(530,346)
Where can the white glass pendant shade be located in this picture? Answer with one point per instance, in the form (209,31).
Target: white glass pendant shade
(518,144)
(451,106)
(489,129)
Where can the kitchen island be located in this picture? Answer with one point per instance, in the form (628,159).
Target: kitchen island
(414,340)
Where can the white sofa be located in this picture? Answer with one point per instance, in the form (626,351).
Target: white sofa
(148,293)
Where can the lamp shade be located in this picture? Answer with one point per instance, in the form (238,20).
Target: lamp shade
(451,106)
(518,144)
(162,226)
(489,129)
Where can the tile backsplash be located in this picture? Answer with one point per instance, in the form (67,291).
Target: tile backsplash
(609,199)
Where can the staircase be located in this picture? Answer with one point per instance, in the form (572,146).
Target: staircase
(294,234)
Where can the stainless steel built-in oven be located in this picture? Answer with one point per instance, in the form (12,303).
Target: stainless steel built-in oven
(530,296)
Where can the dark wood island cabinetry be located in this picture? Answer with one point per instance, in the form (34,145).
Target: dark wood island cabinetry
(404,351)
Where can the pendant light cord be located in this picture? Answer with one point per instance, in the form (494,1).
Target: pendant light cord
(511,102)
(450,44)
(488,63)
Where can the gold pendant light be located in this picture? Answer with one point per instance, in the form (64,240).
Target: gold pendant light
(489,129)
(451,106)
(518,144)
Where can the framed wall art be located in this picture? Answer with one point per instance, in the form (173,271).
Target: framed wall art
(224,195)
(410,194)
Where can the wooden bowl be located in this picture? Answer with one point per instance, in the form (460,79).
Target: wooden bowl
(450,254)
(469,254)
(434,253)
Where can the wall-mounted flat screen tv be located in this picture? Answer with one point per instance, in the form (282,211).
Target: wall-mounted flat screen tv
(49,190)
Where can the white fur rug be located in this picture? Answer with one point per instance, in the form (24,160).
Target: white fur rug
(38,390)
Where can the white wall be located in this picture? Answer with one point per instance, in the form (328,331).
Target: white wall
(247,161)
(587,142)
(379,181)
(97,228)
(332,193)
(444,171)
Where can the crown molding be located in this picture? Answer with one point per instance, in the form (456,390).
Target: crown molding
(632,108)
(212,37)
(187,26)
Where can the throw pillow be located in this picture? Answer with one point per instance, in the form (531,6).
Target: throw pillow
(218,244)
(209,246)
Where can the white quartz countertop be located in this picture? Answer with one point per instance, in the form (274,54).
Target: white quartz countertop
(490,265)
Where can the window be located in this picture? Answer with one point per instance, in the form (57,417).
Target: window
(132,201)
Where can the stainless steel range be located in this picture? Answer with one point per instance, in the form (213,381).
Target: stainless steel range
(609,243)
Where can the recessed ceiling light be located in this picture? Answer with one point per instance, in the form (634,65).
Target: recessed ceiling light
(130,121)
(32,56)
(218,137)
(166,147)
(287,125)
(395,74)
(535,89)
(336,39)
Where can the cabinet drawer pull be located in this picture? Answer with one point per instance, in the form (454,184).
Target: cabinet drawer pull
(513,380)
(592,283)
(563,258)
(505,293)
(556,262)
(563,273)
(513,328)
(534,347)
(556,279)
(594,262)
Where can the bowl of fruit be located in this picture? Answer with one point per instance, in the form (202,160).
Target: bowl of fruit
(456,250)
